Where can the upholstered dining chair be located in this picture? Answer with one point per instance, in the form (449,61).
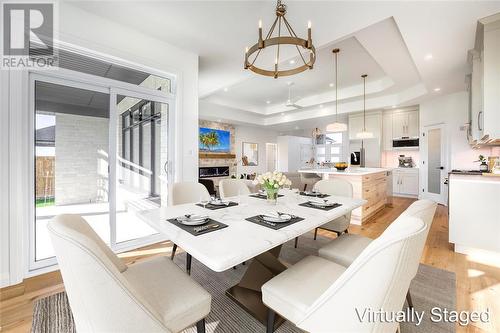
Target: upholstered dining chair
(232,188)
(339,187)
(346,248)
(183,193)
(309,179)
(106,295)
(319,295)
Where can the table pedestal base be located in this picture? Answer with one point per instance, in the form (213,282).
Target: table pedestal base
(247,293)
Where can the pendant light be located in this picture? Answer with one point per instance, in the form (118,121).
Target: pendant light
(364,134)
(336,126)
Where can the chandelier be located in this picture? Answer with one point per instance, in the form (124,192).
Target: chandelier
(291,39)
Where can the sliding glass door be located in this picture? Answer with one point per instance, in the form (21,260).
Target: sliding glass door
(141,162)
(100,152)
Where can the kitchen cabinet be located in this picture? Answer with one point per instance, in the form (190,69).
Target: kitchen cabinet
(373,124)
(405,123)
(484,99)
(387,131)
(397,124)
(405,182)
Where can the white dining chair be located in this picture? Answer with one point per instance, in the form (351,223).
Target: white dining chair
(346,248)
(319,295)
(183,193)
(308,180)
(338,187)
(232,188)
(106,295)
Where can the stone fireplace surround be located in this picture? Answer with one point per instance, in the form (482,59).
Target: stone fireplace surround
(219,162)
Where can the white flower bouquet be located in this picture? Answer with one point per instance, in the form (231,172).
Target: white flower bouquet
(272,182)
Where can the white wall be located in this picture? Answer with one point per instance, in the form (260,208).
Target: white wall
(4,179)
(451,110)
(86,30)
(259,135)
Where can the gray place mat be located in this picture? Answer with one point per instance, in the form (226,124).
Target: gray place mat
(215,207)
(192,228)
(263,196)
(309,205)
(319,195)
(257,219)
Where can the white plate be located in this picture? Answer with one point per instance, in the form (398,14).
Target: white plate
(193,220)
(282,219)
(218,203)
(322,204)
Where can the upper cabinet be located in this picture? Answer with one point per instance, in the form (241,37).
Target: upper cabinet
(484,86)
(405,124)
(373,124)
(398,124)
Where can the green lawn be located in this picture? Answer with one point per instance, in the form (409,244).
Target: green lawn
(44,202)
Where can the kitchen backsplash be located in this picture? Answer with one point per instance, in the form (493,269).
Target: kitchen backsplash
(390,157)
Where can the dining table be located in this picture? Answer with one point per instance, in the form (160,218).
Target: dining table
(235,239)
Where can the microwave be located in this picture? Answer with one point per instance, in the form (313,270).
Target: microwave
(405,142)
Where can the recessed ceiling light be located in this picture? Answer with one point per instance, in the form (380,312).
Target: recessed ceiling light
(268,102)
(331,85)
(296,127)
(428,56)
(282,113)
(437,89)
(226,89)
(394,106)
(321,105)
(292,62)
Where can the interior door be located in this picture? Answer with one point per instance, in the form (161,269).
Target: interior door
(141,131)
(434,164)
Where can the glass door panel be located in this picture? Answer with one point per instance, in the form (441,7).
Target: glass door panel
(141,130)
(434,161)
(71,144)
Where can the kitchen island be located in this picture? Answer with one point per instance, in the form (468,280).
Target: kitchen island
(369,184)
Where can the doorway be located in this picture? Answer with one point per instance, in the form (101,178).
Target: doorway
(100,151)
(434,164)
(271,157)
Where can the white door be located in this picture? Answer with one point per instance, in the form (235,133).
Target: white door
(271,156)
(434,164)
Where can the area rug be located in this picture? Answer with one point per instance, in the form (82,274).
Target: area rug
(431,287)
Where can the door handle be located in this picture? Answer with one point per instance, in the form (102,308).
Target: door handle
(165,167)
(440,168)
(479,121)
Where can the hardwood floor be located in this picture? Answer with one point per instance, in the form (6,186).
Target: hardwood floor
(478,276)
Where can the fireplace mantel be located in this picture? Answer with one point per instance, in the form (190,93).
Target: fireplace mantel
(217,155)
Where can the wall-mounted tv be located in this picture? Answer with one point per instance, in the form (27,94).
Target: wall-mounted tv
(214,140)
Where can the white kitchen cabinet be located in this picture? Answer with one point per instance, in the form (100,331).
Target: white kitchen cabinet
(387,131)
(413,124)
(405,123)
(373,124)
(474,213)
(485,82)
(405,182)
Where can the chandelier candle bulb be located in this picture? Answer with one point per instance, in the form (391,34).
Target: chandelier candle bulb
(309,35)
(261,41)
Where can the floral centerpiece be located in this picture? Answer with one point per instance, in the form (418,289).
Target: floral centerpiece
(272,182)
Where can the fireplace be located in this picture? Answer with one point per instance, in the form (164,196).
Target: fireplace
(210,172)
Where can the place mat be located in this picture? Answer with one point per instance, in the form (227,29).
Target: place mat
(263,196)
(215,207)
(321,195)
(192,228)
(258,220)
(308,204)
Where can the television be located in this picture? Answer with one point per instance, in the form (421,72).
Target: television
(214,140)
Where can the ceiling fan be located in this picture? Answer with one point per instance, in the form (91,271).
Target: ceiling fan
(289,102)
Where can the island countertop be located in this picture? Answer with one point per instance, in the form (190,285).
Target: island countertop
(348,172)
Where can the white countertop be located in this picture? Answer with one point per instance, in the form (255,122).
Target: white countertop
(242,240)
(348,172)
